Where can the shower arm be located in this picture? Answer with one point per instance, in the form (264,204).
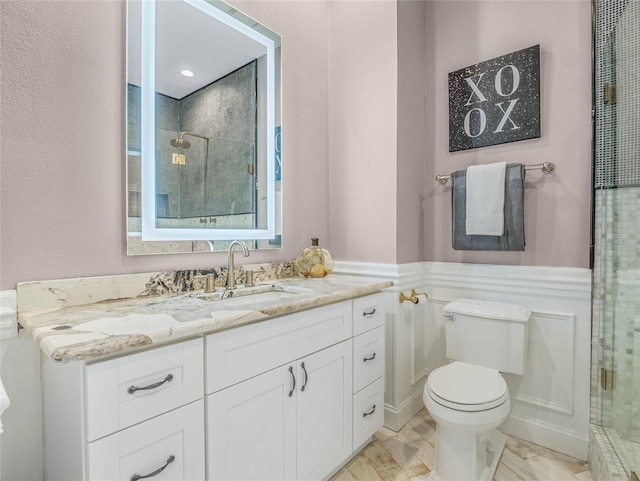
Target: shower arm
(193,135)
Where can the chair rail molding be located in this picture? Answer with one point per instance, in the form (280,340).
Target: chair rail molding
(402,275)
(548,282)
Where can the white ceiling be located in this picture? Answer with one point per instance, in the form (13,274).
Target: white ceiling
(187,38)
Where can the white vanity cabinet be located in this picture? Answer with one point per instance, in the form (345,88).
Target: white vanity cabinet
(292,397)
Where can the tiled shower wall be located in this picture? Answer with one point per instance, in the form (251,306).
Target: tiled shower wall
(199,188)
(616,309)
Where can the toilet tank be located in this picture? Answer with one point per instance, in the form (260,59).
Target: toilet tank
(489,334)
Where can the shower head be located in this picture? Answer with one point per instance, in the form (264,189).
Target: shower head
(180,143)
(183,144)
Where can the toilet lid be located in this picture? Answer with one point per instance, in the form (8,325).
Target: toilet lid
(466,384)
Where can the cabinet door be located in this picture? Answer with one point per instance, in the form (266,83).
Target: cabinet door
(324,412)
(251,428)
(171,445)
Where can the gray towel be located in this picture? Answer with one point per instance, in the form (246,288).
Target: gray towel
(513,237)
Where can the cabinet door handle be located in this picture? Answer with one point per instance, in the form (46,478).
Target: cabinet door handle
(306,377)
(136,477)
(293,378)
(373,410)
(133,389)
(370,358)
(369,313)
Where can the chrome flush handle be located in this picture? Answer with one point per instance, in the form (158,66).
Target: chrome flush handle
(451,317)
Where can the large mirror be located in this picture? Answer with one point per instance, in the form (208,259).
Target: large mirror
(203,128)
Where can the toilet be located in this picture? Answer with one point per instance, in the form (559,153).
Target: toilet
(468,398)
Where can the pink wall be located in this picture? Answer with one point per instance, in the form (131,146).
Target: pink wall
(362,130)
(411,145)
(354,134)
(62,150)
(557,206)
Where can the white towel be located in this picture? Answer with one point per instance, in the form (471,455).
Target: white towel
(485,199)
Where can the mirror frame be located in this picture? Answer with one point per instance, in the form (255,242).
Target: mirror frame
(150,231)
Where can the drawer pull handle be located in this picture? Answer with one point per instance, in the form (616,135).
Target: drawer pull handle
(369,313)
(306,377)
(133,389)
(373,410)
(293,377)
(370,358)
(136,477)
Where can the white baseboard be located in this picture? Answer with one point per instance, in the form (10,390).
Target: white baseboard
(561,440)
(395,419)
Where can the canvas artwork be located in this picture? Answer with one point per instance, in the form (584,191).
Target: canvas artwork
(496,101)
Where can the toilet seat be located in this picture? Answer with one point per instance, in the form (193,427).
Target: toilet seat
(466,387)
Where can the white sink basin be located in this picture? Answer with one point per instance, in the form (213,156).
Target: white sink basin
(243,296)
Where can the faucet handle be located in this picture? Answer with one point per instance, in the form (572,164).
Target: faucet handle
(248,278)
(211,278)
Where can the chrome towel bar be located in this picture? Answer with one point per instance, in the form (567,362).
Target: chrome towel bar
(546,167)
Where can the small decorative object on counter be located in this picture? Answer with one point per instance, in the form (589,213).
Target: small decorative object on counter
(314,261)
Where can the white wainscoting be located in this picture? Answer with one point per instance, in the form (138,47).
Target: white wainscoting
(550,402)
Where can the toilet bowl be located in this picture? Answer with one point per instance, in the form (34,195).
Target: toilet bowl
(468,398)
(467,403)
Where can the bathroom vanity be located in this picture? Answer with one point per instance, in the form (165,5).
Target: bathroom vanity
(287,384)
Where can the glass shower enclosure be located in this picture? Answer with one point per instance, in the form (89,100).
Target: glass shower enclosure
(616,302)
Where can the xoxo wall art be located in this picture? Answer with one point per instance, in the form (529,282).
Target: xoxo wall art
(496,101)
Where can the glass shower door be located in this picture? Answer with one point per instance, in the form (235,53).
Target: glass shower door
(617,234)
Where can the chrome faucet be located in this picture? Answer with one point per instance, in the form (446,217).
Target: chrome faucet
(231,268)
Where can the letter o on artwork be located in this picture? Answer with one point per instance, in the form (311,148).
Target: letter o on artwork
(516,80)
(467,122)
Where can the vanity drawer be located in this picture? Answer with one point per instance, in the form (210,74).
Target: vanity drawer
(174,440)
(368,358)
(368,412)
(238,354)
(368,313)
(130,389)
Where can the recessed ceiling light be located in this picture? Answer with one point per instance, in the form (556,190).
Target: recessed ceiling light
(187,73)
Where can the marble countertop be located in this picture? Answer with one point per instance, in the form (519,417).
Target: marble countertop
(113,326)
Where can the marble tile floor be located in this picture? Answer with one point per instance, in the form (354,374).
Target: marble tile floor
(408,456)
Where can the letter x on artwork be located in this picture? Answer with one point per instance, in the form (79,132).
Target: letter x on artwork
(495,101)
